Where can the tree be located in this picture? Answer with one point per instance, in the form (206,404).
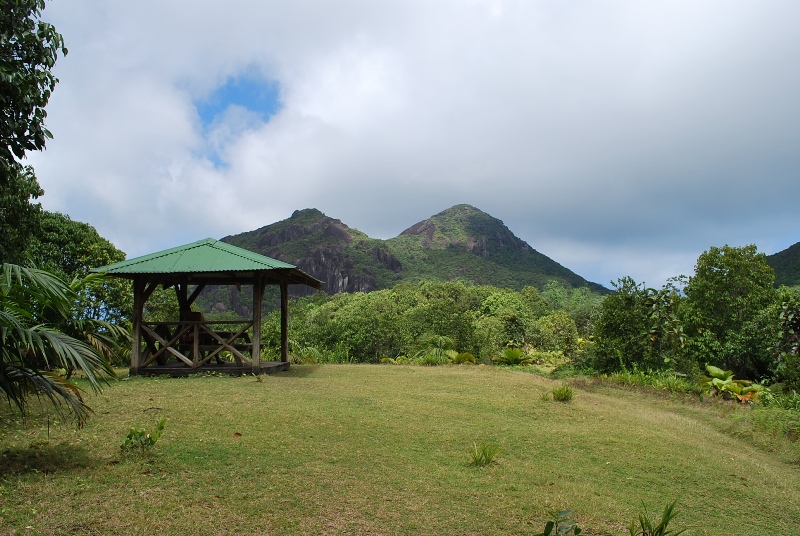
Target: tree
(19,217)
(726,310)
(29,48)
(788,347)
(32,302)
(621,328)
(70,249)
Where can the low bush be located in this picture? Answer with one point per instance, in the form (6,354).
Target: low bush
(721,383)
(464,358)
(663,380)
(432,360)
(550,359)
(563,393)
(512,356)
(775,399)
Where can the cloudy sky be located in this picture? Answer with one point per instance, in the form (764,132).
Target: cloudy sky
(618,138)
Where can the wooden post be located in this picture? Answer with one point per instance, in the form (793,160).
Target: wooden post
(138,306)
(284,321)
(258,298)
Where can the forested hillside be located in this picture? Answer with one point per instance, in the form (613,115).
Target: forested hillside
(460,243)
(786,264)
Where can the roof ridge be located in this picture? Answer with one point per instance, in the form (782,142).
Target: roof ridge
(193,263)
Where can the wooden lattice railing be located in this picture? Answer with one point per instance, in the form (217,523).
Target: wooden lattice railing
(196,343)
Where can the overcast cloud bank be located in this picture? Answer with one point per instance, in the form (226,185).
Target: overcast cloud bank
(618,138)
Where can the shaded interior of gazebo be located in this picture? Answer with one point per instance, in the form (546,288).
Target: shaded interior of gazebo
(192,344)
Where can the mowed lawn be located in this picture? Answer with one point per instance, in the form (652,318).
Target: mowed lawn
(368,449)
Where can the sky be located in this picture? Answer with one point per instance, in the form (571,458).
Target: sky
(619,138)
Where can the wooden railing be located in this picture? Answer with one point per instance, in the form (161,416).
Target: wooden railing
(196,343)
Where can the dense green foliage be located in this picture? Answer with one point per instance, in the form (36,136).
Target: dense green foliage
(29,48)
(727,315)
(786,264)
(69,249)
(41,331)
(433,320)
(19,215)
(788,348)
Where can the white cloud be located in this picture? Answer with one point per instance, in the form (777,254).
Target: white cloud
(623,131)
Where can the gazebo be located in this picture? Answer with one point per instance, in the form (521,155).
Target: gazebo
(197,344)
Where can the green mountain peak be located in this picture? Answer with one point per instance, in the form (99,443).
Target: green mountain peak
(460,243)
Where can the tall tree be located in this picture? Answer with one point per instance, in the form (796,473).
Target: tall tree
(727,310)
(29,48)
(70,249)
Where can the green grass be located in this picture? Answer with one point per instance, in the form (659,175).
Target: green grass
(361,449)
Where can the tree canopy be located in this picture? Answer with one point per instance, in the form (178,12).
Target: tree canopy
(70,249)
(29,48)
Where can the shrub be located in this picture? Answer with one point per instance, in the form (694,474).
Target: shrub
(512,356)
(555,332)
(307,355)
(434,359)
(562,393)
(464,358)
(663,380)
(434,350)
(721,382)
(787,401)
(399,360)
(550,359)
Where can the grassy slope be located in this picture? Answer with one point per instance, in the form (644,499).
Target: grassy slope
(383,450)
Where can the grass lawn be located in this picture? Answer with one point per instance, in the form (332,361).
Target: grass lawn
(367,449)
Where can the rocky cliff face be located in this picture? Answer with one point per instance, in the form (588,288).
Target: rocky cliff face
(461,242)
(344,259)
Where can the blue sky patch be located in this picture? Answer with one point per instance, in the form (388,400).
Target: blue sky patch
(256,94)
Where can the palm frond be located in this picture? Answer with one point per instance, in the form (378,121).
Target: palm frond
(20,383)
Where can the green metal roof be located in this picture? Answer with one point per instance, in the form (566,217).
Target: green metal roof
(202,257)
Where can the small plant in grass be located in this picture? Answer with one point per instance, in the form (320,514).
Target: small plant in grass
(646,527)
(142,439)
(484,454)
(563,393)
(561,525)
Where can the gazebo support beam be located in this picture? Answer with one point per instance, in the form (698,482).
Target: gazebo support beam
(139,298)
(284,321)
(258,298)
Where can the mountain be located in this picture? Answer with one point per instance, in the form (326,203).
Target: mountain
(786,264)
(460,243)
